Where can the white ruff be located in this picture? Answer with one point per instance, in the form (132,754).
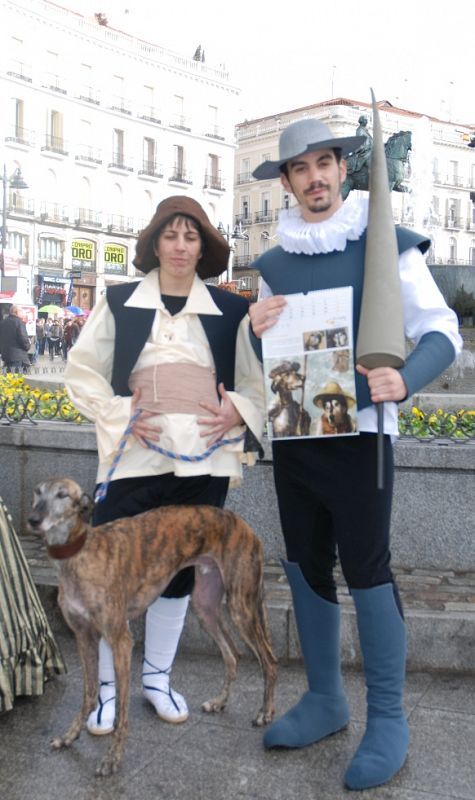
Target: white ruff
(298,236)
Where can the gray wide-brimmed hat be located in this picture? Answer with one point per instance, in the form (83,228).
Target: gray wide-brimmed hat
(305,136)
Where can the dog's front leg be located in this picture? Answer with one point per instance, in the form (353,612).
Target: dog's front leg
(87,643)
(121,645)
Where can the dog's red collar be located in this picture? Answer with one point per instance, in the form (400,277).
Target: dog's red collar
(68,550)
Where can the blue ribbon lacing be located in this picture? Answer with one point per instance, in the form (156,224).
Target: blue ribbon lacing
(101,490)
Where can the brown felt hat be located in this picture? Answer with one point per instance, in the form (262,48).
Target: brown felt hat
(216,250)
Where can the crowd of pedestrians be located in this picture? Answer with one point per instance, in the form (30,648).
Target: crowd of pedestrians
(53,337)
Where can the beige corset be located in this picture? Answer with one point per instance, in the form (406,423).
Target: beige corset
(175,388)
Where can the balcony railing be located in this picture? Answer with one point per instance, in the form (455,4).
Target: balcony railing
(152,169)
(55,144)
(17,69)
(21,136)
(244,177)
(451,180)
(116,222)
(180,122)
(89,94)
(243,219)
(121,104)
(53,212)
(263,216)
(215,132)
(213,182)
(87,218)
(180,175)
(55,262)
(22,206)
(242,261)
(85,152)
(54,82)
(471,224)
(453,222)
(150,114)
(119,162)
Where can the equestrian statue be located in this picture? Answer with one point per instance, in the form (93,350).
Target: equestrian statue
(397,150)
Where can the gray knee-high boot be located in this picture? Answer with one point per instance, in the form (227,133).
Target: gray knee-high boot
(384,746)
(323,709)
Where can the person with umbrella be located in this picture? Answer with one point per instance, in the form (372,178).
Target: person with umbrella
(322,246)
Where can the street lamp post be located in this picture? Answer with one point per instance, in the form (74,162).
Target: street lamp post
(231,235)
(15,182)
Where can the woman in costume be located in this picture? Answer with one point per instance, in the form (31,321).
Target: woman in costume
(178,352)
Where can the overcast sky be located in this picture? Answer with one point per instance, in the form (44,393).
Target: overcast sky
(417,54)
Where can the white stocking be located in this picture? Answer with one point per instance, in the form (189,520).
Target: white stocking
(164,623)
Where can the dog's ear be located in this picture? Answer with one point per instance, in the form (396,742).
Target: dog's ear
(86,507)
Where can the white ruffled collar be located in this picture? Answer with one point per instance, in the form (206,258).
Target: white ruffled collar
(298,236)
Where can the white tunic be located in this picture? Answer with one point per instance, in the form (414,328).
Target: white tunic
(178,338)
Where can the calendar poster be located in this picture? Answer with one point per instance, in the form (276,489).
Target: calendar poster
(308,367)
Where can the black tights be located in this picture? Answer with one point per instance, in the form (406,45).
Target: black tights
(329,504)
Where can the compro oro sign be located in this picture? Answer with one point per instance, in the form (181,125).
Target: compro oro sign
(115,258)
(84,255)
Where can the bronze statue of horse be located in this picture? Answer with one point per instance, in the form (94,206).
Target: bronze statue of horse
(397,156)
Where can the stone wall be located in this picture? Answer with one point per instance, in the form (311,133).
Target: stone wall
(433,511)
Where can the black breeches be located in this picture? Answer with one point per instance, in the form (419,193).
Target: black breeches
(329,505)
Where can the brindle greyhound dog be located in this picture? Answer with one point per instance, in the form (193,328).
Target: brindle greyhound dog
(111,573)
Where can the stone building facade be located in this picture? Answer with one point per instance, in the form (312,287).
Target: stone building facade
(439,180)
(102,126)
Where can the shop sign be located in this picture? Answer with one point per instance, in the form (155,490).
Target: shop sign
(115,258)
(83,255)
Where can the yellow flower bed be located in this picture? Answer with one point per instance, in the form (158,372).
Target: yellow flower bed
(458,425)
(18,400)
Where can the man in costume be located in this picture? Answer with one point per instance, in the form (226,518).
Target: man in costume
(322,246)
(178,351)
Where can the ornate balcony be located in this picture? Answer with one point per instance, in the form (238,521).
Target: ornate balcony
(149,114)
(21,136)
(121,104)
(243,219)
(54,82)
(180,175)
(118,161)
(89,94)
(151,169)
(91,155)
(263,216)
(55,144)
(180,122)
(87,218)
(215,132)
(116,222)
(17,69)
(53,212)
(244,177)
(214,182)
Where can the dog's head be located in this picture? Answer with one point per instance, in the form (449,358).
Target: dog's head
(59,506)
(287,376)
(335,409)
